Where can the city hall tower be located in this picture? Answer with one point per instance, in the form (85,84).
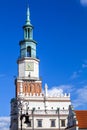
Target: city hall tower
(32,109)
(28,63)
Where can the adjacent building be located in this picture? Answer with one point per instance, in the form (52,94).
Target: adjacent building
(77,119)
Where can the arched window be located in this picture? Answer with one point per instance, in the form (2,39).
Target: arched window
(25,33)
(28,33)
(28,51)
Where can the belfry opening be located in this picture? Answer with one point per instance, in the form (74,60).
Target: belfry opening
(28,51)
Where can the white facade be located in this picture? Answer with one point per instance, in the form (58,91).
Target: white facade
(46,110)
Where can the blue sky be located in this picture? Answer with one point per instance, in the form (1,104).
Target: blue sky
(60,28)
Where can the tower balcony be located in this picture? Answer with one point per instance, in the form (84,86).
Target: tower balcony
(29,78)
(27,58)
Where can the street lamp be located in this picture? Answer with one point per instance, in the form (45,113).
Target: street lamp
(33,118)
(57,111)
(27,121)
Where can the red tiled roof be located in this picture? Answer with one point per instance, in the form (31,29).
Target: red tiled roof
(81,116)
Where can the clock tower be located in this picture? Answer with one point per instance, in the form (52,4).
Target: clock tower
(32,109)
(28,81)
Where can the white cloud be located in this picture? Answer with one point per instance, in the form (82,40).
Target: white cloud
(81,98)
(77,73)
(60,90)
(79,95)
(66,88)
(55,92)
(4,123)
(83,2)
(74,75)
(84,66)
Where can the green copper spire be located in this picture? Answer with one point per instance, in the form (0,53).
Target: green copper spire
(28,45)
(28,16)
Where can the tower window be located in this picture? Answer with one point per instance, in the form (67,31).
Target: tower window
(28,33)
(28,51)
(25,33)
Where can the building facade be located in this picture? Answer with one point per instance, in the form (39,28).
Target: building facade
(77,119)
(31,108)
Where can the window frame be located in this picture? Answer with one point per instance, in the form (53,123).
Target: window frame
(39,122)
(63,124)
(53,122)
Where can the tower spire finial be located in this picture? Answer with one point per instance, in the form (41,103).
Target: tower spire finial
(28,14)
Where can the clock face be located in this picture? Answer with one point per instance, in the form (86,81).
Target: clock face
(29,66)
